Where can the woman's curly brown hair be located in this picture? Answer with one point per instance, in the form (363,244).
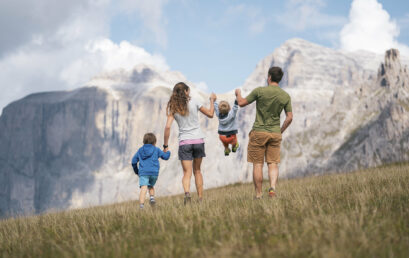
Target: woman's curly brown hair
(179,100)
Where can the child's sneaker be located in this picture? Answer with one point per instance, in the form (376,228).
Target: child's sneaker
(271,192)
(226,152)
(152,201)
(235,147)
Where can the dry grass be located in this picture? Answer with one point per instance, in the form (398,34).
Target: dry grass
(362,214)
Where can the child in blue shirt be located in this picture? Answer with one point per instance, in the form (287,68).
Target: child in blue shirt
(148,158)
(227,125)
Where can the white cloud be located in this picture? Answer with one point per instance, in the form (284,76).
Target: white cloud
(67,55)
(304,14)
(201,86)
(370,28)
(23,20)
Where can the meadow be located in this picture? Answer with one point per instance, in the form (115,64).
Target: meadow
(359,214)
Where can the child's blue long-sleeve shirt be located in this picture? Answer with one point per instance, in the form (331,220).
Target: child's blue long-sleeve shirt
(148,158)
(227,123)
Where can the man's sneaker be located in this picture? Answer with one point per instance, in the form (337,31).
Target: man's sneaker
(226,152)
(271,192)
(235,147)
(141,206)
(152,202)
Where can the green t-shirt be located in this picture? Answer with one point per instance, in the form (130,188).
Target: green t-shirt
(270,101)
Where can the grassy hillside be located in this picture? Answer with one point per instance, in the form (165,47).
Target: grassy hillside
(342,215)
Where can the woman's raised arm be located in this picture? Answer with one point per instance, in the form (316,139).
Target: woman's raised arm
(209,112)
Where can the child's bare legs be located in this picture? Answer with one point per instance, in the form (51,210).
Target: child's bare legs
(151,191)
(234,144)
(152,195)
(226,146)
(142,194)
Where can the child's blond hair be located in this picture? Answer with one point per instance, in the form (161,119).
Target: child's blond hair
(224,107)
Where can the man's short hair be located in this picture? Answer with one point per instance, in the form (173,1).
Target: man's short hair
(224,107)
(149,138)
(275,73)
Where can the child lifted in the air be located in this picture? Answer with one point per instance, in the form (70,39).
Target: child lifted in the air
(227,125)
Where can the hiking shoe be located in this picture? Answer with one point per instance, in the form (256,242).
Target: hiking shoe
(271,192)
(187,200)
(226,152)
(235,147)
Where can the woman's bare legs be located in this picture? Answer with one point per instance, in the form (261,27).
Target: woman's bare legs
(198,177)
(187,174)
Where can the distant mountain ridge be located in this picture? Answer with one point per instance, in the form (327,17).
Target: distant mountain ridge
(62,150)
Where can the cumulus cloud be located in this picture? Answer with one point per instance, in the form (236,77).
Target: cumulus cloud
(201,86)
(304,14)
(25,20)
(104,55)
(67,54)
(370,28)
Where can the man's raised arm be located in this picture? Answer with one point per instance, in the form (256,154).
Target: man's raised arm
(240,100)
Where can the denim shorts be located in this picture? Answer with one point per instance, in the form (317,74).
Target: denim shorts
(150,181)
(191,151)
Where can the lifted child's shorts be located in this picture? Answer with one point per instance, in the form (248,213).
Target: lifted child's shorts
(228,139)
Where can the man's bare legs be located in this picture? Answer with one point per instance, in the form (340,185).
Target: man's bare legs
(198,177)
(273,174)
(258,178)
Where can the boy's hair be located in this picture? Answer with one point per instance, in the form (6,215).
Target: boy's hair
(224,107)
(275,73)
(149,138)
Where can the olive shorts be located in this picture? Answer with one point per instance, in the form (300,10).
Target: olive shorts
(264,144)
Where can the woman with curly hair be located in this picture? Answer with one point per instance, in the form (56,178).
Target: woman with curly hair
(182,108)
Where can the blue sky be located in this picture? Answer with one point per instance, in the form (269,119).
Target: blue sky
(214,41)
(53,45)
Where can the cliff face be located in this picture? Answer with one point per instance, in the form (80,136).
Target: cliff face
(385,138)
(73,149)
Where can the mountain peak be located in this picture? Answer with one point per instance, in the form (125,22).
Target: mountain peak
(392,59)
(390,69)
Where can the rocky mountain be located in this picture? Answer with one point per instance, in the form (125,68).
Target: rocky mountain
(72,149)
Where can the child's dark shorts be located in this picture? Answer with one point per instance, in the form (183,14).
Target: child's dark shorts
(191,151)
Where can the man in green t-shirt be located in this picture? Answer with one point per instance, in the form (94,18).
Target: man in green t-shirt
(265,137)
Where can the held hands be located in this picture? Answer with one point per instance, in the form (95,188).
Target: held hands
(165,149)
(213,97)
(238,92)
